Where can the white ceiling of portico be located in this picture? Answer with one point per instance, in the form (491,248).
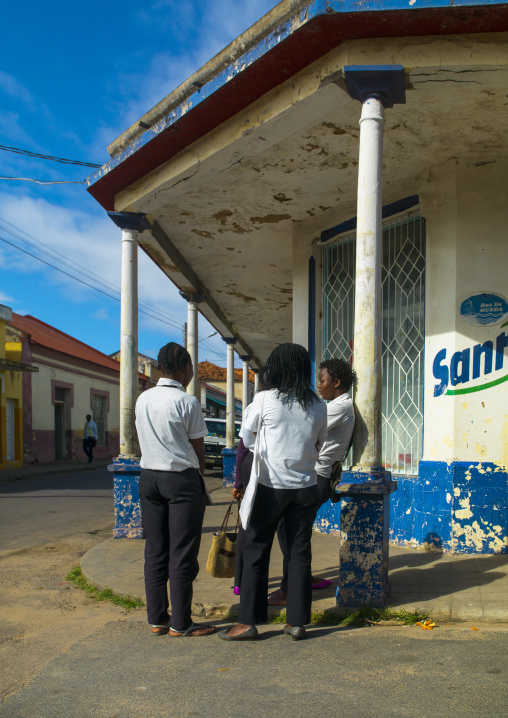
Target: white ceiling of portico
(234,215)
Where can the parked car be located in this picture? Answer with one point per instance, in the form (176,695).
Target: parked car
(215,441)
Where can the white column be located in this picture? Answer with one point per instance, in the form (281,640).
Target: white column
(192,345)
(256,381)
(230,393)
(129,342)
(245,383)
(368,299)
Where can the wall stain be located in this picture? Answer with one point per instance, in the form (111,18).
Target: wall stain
(270,218)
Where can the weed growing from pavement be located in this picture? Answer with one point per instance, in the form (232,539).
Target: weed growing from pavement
(76,577)
(362,616)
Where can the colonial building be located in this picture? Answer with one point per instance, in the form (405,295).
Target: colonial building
(213,380)
(256,187)
(72,380)
(12,370)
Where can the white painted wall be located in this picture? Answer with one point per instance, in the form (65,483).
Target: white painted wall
(43,412)
(466,208)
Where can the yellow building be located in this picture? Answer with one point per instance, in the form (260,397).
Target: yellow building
(11,394)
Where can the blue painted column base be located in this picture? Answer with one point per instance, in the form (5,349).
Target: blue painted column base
(364,527)
(229,467)
(126,471)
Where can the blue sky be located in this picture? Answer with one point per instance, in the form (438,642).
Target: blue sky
(73,76)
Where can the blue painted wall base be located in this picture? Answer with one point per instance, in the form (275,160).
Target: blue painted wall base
(229,467)
(460,507)
(126,471)
(362,517)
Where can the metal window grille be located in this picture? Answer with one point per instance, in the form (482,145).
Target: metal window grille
(403,284)
(100,413)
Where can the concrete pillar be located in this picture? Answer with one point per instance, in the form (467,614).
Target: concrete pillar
(245,383)
(256,380)
(230,392)
(229,453)
(192,338)
(126,466)
(364,509)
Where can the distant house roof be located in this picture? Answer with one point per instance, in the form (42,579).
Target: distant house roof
(211,372)
(47,336)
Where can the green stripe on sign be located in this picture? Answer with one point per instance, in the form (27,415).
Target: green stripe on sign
(470,390)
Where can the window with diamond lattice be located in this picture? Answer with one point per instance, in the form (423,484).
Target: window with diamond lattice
(403,285)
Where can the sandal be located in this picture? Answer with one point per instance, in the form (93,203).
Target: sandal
(321,583)
(193,627)
(160,630)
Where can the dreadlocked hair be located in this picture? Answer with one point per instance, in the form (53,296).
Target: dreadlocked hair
(173,357)
(288,370)
(341,370)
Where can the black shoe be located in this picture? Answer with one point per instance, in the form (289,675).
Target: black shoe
(249,635)
(296,632)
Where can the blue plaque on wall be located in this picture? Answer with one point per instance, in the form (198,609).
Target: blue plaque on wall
(484,309)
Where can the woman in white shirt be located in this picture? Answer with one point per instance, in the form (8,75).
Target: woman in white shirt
(293,426)
(171,432)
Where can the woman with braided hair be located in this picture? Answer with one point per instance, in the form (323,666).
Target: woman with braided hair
(285,425)
(171,432)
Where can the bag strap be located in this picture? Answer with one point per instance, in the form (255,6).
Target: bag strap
(224,524)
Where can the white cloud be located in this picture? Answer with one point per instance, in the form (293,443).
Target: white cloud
(93,243)
(214,25)
(13,88)
(5,299)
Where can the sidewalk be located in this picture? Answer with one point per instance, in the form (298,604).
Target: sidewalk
(454,588)
(57,467)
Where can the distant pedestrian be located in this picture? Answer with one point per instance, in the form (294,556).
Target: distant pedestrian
(291,422)
(90,437)
(171,431)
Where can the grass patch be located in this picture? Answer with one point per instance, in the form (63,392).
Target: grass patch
(362,616)
(76,577)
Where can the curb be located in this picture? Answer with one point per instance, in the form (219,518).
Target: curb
(99,574)
(52,469)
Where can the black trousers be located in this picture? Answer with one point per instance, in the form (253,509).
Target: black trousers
(298,507)
(88,447)
(324,494)
(172,511)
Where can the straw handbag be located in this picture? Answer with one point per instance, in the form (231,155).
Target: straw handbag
(221,559)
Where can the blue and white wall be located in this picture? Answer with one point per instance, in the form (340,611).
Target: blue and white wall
(459,501)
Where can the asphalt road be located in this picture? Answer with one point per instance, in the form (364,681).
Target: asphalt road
(123,672)
(65,656)
(43,509)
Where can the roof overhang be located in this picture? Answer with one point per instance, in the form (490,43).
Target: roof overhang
(288,39)
(9,365)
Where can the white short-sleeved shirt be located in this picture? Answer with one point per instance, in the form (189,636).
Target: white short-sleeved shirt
(166,418)
(340,424)
(287,439)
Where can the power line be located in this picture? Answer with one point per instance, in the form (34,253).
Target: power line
(50,252)
(77,279)
(29,179)
(38,156)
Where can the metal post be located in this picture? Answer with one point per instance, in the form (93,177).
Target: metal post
(245,383)
(192,339)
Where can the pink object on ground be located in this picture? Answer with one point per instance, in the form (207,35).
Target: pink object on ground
(324,583)
(236,590)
